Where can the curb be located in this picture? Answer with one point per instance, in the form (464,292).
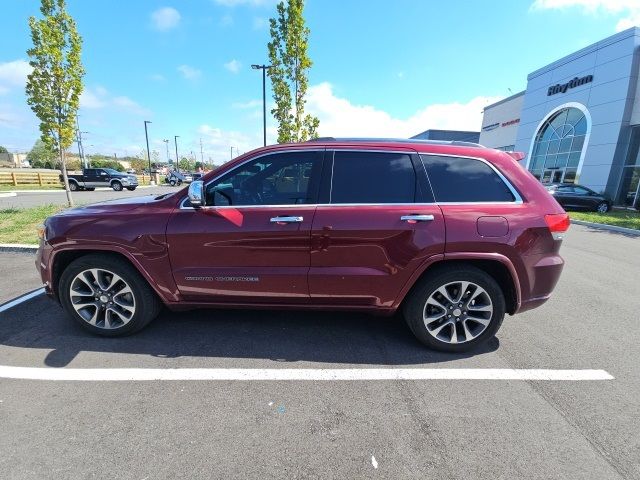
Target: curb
(13,193)
(18,247)
(8,194)
(610,228)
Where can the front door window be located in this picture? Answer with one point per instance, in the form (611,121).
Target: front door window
(279,179)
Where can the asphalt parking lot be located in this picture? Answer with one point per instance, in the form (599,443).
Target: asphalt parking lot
(26,199)
(499,429)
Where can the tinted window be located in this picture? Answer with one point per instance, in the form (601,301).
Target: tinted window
(581,191)
(279,179)
(457,179)
(364,177)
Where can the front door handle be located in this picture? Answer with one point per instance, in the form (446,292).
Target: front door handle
(416,218)
(286,219)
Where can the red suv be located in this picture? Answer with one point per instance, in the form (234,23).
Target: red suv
(453,234)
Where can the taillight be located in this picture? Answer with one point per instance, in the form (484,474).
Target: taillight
(558,224)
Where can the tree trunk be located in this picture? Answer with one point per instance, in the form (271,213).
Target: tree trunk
(63,164)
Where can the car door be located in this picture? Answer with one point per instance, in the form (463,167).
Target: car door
(565,196)
(89,177)
(377,225)
(250,243)
(584,198)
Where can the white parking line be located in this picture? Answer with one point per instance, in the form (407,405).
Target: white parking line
(19,300)
(280,374)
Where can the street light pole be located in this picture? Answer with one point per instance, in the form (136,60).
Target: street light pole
(146,135)
(175,140)
(264,69)
(166,142)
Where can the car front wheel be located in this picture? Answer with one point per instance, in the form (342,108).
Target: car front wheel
(602,207)
(117,186)
(455,309)
(107,296)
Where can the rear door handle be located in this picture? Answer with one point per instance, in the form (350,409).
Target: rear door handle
(286,219)
(416,218)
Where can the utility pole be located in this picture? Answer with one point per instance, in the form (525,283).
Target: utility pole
(151,182)
(166,142)
(201,154)
(175,140)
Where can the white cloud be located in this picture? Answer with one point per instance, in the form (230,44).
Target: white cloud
(247,105)
(13,75)
(98,98)
(233,66)
(628,9)
(93,98)
(165,18)
(130,105)
(217,142)
(157,77)
(189,73)
(259,23)
(339,117)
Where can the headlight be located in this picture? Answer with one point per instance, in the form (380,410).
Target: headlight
(42,232)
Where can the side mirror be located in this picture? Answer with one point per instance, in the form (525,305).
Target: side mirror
(196,193)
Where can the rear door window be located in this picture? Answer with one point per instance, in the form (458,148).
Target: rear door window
(461,179)
(372,177)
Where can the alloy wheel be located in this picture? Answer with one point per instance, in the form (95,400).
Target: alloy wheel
(102,298)
(457,312)
(603,208)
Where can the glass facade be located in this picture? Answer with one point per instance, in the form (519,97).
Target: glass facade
(558,146)
(629,192)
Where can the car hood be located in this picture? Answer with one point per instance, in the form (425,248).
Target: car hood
(108,206)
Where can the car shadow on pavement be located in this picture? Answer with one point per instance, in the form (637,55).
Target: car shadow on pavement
(283,336)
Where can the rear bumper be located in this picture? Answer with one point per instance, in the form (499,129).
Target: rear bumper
(544,273)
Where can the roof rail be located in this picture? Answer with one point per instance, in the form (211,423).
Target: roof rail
(398,140)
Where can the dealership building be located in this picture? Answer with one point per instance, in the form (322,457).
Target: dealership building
(578,121)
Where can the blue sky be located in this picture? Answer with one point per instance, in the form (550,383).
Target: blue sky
(381,68)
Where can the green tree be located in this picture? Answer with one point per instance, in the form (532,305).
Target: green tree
(288,73)
(186,164)
(42,156)
(55,83)
(138,164)
(3,150)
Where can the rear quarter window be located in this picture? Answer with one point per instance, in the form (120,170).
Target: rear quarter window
(460,179)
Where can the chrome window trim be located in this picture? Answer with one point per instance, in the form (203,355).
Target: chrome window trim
(518,198)
(516,195)
(265,154)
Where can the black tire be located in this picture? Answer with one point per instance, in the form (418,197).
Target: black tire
(603,207)
(172,183)
(131,189)
(73,186)
(117,186)
(147,304)
(415,304)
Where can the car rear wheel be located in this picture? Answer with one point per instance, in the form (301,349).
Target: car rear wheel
(455,309)
(172,183)
(73,186)
(117,186)
(603,207)
(107,296)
